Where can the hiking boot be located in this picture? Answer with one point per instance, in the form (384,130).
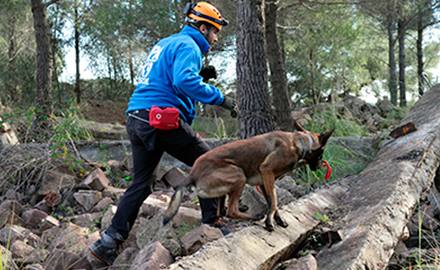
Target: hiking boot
(105,249)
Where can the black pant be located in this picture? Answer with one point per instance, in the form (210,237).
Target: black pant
(148,145)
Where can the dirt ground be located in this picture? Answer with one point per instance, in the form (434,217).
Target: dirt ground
(104,111)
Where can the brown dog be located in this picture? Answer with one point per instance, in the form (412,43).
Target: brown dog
(257,161)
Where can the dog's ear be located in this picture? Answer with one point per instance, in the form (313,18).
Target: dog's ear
(323,138)
(297,126)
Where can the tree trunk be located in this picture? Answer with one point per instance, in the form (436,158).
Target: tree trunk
(402,64)
(9,82)
(252,90)
(77,55)
(312,79)
(420,52)
(43,95)
(392,84)
(278,78)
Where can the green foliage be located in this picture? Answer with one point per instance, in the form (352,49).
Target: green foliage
(217,127)
(328,117)
(17,56)
(333,52)
(4,264)
(343,160)
(184,228)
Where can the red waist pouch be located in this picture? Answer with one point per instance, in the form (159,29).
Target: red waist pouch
(164,118)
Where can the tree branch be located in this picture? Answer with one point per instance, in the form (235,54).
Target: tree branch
(51,2)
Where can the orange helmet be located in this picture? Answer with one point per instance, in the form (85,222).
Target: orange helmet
(205,11)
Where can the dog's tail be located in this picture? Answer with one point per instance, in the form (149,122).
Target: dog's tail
(176,200)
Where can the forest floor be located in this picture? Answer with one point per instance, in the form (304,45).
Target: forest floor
(104,111)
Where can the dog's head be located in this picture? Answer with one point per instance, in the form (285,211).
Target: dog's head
(314,156)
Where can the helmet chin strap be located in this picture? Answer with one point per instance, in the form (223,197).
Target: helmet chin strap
(209,31)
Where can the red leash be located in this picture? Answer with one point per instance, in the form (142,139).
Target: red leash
(327,176)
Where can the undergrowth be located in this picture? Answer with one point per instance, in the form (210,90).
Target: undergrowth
(24,166)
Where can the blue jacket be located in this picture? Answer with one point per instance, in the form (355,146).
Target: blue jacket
(170,76)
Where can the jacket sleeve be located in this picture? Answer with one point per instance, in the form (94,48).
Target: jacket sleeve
(186,78)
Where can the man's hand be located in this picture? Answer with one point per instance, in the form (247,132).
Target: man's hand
(230,104)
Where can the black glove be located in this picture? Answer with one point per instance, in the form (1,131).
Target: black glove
(230,104)
(207,73)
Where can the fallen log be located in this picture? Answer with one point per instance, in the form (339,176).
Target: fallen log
(383,196)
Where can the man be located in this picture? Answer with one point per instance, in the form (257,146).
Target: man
(169,80)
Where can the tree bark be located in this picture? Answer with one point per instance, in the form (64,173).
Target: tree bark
(43,95)
(402,64)
(280,92)
(392,84)
(420,29)
(77,54)
(255,115)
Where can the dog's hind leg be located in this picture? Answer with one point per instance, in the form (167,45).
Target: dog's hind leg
(234,195)
(221,211)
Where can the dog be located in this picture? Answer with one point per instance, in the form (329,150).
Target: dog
(257,161)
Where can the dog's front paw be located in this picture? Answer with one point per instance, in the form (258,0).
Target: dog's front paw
(283,224)
(279,221)
(269,227)
(259,216)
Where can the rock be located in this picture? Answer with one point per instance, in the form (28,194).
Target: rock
(21,250)
(201,235)
(289,184)
(174,177)
(102,205)
(257,203)
(9,234)
(7,135)
(55,181)
(384,106)
(153,256)
(114,193)
(8,217)
(49,222)
(35,257)
(12,205)
(428,218)
(166,235)
(106,219)
(87,220)
(88,198)
(153,206)
(117,169)
(62,259)
(97,180)
(6,258)
(13,195)
(43,206)
(125,260)
(105,131)
(304,263)
(128,162)
(34,218)
(72,238)
(34,267)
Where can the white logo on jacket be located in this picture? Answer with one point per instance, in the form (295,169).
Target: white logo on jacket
(152,58)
